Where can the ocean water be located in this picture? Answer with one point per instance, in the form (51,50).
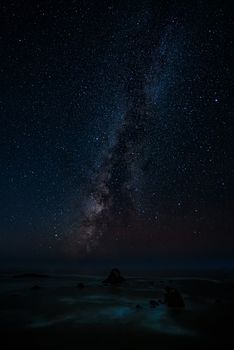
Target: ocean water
(60,306)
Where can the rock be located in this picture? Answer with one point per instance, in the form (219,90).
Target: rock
(173,298)
(218,301)
(80,285)
(114,277)
(153,303)
(36,287)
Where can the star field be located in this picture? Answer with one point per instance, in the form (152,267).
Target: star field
(116,129)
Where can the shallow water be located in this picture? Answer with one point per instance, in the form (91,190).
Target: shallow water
(59,304)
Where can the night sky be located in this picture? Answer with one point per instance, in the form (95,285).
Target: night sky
(116,130)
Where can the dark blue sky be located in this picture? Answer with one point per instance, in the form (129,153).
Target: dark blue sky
(116,130)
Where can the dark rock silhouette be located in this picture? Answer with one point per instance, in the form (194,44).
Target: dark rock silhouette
(173,298)
(36,287)
(30,275)
(218,301)
(114,277)
(80,285)
(153,303)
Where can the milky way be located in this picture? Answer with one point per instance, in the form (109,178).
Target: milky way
(116,196)
(113,194)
